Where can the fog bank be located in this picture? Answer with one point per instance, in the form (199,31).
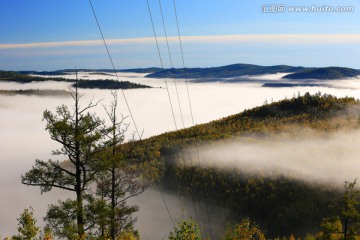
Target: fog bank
(315,158)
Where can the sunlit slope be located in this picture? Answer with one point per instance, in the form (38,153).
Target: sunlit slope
(322,112)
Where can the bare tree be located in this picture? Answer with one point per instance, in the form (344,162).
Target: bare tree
(119,178)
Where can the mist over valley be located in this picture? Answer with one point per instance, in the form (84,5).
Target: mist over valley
(305,154)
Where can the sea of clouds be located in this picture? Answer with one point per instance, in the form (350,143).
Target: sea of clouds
(24,139)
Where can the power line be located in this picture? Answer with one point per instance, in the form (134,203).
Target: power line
(166,206)
(181,113)
(183,62)
(171,63)
(161,63)
(158,49)
(113,66)
(127,104)
(190,105)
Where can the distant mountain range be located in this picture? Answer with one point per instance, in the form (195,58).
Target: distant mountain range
(227,73)
(243,70)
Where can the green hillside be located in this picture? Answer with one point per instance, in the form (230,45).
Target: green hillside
(280,205)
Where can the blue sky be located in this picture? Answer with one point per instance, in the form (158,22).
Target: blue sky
(58,34)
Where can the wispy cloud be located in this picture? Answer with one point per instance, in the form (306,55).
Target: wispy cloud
(304,39)
(82,43)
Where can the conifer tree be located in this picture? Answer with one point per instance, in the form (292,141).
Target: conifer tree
(79,132)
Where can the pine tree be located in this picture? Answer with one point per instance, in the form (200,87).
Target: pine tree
(80,133)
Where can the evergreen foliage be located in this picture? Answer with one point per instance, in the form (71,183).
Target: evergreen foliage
(79,132)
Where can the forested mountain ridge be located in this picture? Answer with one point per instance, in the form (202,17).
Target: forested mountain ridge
(280,205)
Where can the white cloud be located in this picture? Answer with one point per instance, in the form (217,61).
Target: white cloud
(74,43)
(243,38)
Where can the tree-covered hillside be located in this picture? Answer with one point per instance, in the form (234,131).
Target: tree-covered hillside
(280,205)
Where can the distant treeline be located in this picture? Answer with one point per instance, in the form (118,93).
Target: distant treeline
(109,84)
(22,78)
(100,84)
